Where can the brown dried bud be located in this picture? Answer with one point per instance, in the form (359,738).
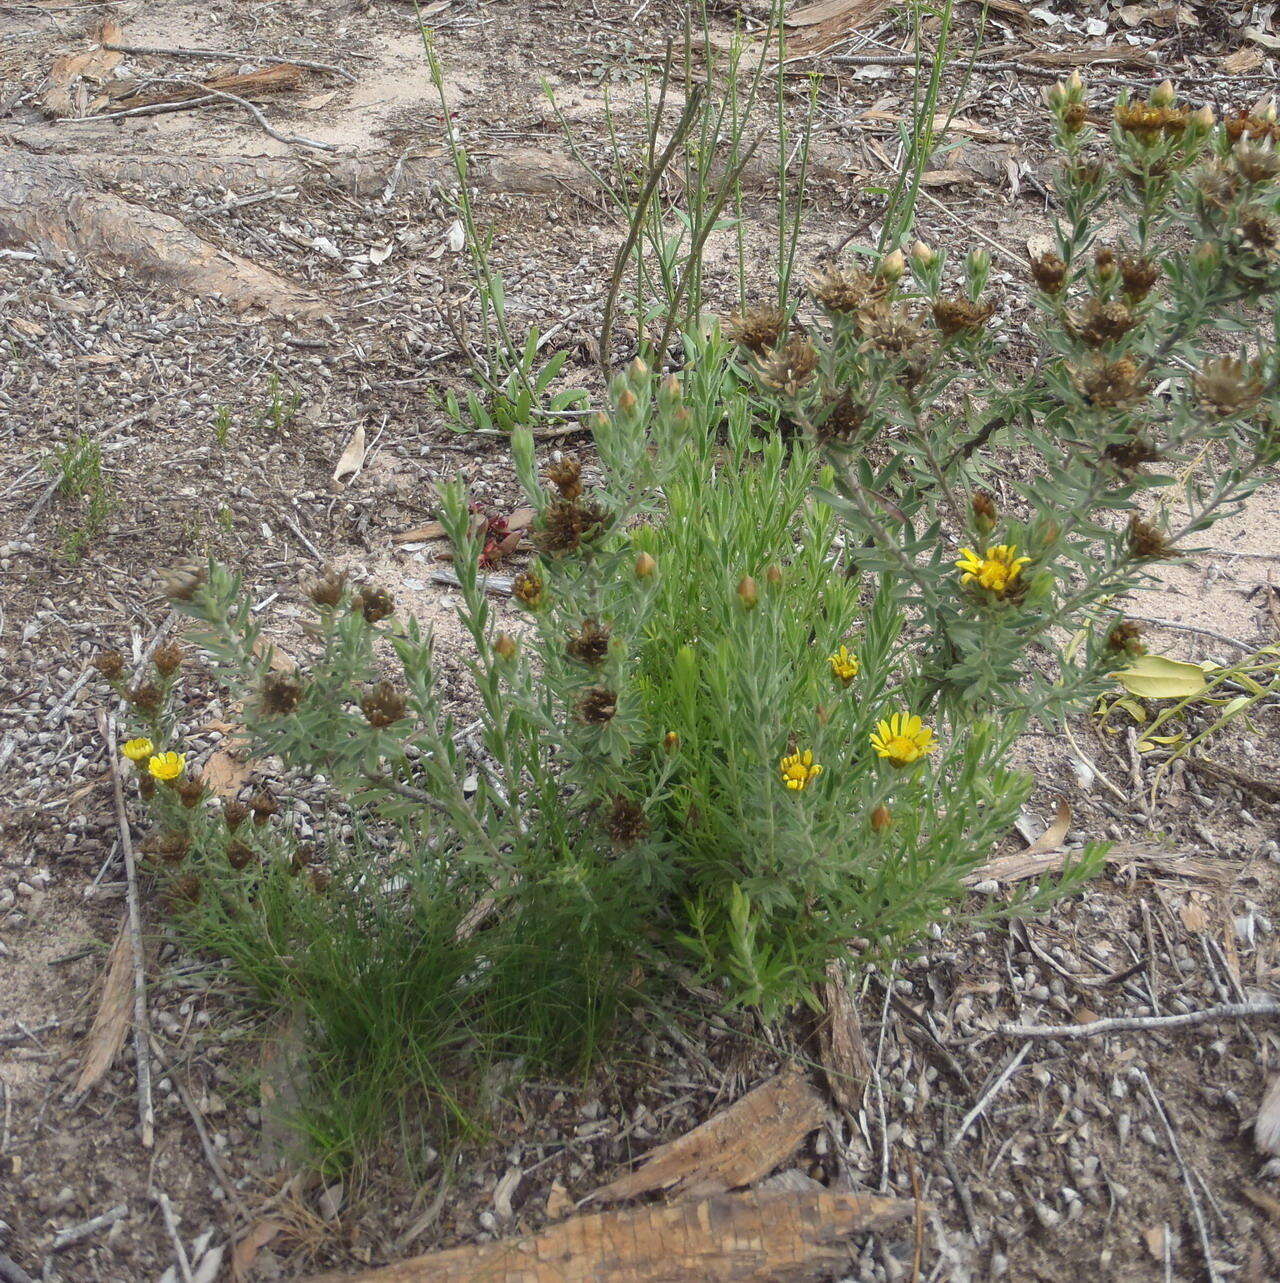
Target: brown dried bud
(773,575)
(1259,230)
(1139,275)
(985,512)
(374,603)
(1146,540)
(504,646)
(526,588)
(1131,453)
(889,329)
(146,697)
(234,814)
(568,524)
(748,593)
(961,316)
(184,891)
(321,880)
(596,706)
(881,818)
(181,582)
(168,658)
(326,591)
(590,644)
(382,705)
(566,475)
(146,785)
(1125,637)
(280,694)
(1104,259)
(645,566)
(1074,117)
(191,792)
(1256,162)
(671,741)
(1049,272)
(110,663)
(302,858)
(1228,386)
(626,823)
(759,329)
(263,806)
(240,856)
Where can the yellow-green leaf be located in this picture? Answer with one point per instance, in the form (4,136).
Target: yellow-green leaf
(1155,677)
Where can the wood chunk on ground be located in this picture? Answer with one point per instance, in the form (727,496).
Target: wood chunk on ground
(735,1147)
(751,1237)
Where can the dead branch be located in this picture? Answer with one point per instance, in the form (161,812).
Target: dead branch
(1148,1024)
(165,51)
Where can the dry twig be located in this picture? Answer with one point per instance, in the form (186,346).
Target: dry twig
(1151,1024)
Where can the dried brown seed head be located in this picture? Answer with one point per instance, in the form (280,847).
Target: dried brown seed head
(845,292)
(168,658)
(568,524)
(566,475)
(146,697)
(185,891)
(240,856)
(375,604)
(1228,386)
(788,368)
(1101,321)
(955,316)
(326,590)
(1131,453)
(889,328)
(1259,230)
(172,847)
(838,417)
(110,663)
(1125,636)
(303,857)
(1108,384)
(180,583)
(234,814)
(758,329)
(382,705)
(596,706)
(1049,272)
(191,791)
(625,822)
(263,806)
(881,818)
(590,644)
(1256,162)
(1147,541)
(1138,275)
(281,694)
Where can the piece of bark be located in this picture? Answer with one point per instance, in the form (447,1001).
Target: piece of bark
(1025,864)
(90,65)
(86,148)
(844,1053)
(44,203)
(275,79)
(733,1148)
(750,1237)
(111,1021)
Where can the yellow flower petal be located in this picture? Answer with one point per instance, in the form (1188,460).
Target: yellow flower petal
(138,750)
(167,766)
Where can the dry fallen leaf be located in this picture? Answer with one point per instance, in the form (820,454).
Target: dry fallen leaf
(1194,917)
(1054,836)
(352,459)
(1266,1127)
(224,774)
(1242,61)
(111,1021)
(558,1201)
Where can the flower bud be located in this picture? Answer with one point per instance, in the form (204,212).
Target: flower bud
(984,512)
(627,401)
(669,391)
(748,593)
(978,262)
(892,267)
(1056,96)
(598,422)
(922,257)
(1204,118)
(637,371)
(1162,95)
(1265,109)
(1206,255)
(881,818)
(1075,84)
(504,646)
(645,566)
(671,741)
(773,575)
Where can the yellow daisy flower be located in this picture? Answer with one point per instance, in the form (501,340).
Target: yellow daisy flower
(903,739)
(996,571)
(137,751)
(799,769)
(845,665)
(167,766)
